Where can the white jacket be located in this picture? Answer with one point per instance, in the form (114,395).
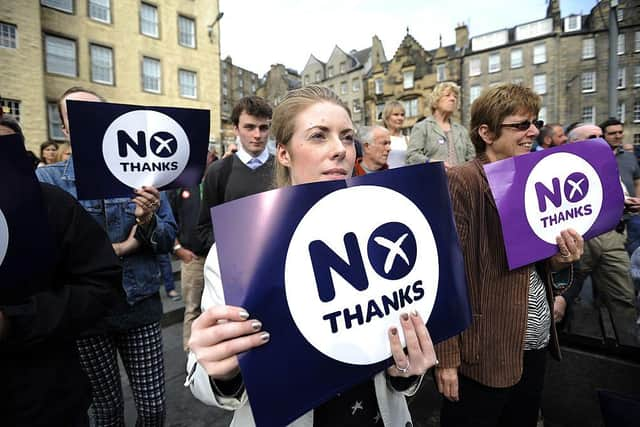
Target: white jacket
(392,404)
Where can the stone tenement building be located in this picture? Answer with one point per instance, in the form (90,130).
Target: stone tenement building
(130,51)
(410,76)
(344,73)
(277,82)
(236,83)
(565,60)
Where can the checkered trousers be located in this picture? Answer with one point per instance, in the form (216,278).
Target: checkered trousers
(141,353)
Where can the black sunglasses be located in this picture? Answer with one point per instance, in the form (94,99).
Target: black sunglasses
(524,125)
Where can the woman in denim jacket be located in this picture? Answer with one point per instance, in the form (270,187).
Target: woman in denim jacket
(138,228)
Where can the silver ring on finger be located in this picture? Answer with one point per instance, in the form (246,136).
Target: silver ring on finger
(405,369)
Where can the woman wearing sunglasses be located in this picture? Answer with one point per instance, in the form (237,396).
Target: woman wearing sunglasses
(492,374)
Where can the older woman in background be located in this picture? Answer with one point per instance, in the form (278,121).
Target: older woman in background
(438,138)
(48,151)
(393,119)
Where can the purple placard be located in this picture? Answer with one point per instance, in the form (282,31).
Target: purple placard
(327,268)
(538,195)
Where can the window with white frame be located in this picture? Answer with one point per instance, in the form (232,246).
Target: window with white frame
(636,75)
(225,91)
(253,87)
(542,114)
(10,106)
(332,88)
(620,13)
(317,76)
(494,62)
(151,75)
(620,44)
(636,111)
(100,10)
(149,20)
(516,58)
(441,72)
(355,85)
(636,43)
(379,86)
(636,139)
(186,31)
(622,78)
(101,64)
(539,53)
(356,106)
(60,54)
(474,67)
(411,107)
(588,81)
(407,79)
(588,114)
(63,5)
(474,92)
(188,82)
(343,67)
(572,23)
(330,71)
(306,79)
(379,109)
(620,111)
(588,48)
(8,35)
(540,84)
(343,88)
(517,81)
(55,122)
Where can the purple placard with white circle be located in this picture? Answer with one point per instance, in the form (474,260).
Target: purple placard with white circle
(540,194)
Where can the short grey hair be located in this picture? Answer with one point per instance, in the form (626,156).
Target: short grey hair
(365,133)
(575,133)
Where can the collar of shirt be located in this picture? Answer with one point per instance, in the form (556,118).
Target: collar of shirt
(246,157)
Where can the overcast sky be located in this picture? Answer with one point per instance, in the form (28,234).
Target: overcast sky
(258,33)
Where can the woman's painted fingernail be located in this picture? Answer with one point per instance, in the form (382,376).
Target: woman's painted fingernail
(394,331)
(404,316)
(243,314)
(265,336)
(414,313)
(256,325)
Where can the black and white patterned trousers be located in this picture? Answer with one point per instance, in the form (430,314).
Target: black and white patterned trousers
(141,353)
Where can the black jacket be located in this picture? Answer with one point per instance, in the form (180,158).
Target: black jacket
(41,381)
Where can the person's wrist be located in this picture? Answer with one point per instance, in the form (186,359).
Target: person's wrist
(176,248)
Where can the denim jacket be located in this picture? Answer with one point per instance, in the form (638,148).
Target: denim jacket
(141,275)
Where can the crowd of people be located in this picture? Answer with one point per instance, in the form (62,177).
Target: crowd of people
(490,375)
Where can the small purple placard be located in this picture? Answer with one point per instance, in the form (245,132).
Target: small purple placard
(540,194)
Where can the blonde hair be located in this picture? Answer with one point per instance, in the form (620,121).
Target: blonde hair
(496,103)
(440,90)
(284,119)
(389,108)
(62,148)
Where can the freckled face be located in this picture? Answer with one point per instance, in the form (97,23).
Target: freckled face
(322,146)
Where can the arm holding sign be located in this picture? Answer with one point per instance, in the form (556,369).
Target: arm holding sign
(217,336)
(156,226)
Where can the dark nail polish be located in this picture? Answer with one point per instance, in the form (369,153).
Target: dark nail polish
(265,336)
(405,316)
(243,315)
(394,331)
(256,325)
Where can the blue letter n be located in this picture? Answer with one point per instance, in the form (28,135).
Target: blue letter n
(324,259)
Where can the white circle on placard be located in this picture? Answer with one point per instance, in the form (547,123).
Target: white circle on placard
(4,237)
(145,147)
(385,246)
(562,191)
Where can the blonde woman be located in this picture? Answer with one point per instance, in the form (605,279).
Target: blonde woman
(393,119)
(315,138)
(438,138)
